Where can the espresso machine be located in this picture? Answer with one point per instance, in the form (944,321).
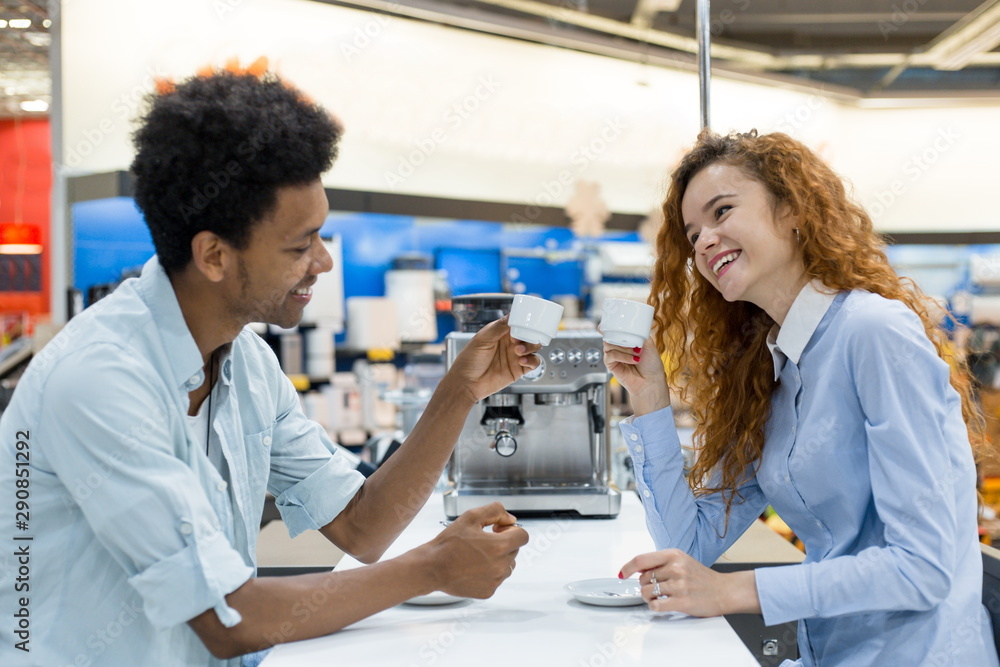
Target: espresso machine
(539,446)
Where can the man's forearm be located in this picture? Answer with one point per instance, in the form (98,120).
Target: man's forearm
(463,560)
(276,610)
(392,496)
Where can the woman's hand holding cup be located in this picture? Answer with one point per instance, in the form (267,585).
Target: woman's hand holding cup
(631,356)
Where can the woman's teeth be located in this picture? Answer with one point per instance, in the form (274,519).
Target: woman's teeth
(725,260)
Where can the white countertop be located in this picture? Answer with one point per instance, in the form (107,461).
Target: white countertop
(531,620)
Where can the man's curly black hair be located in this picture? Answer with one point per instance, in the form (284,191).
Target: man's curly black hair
(212,152)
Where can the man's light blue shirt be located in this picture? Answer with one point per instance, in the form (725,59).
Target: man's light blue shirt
(133,530)
(867,459)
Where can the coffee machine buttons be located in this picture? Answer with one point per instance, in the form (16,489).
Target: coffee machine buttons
(593,356)
(574,356)
(557,356)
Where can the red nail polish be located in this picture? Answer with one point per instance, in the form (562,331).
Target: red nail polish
(620,575)
(635,358)
(637,349)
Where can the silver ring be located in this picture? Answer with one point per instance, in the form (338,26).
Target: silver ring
(656,590)
(652,576)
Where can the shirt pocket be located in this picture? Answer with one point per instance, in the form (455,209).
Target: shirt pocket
(258,449)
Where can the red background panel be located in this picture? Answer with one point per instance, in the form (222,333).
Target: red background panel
(25,187)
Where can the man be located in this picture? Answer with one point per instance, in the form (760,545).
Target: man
(143,437)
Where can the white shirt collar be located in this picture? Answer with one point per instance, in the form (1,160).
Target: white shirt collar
(789,340)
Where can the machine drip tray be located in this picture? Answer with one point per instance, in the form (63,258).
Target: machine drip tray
(590,503)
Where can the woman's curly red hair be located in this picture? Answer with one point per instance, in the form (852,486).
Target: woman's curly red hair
(718,359)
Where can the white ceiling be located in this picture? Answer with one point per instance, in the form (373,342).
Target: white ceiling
(871,47)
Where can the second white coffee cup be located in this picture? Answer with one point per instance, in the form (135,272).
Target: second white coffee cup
(626,322)
(534,320)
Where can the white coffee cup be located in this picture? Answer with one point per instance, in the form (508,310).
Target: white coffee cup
(626,322)
(534,320)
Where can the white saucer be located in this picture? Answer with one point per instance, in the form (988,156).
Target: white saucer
(607,592)
(434,599)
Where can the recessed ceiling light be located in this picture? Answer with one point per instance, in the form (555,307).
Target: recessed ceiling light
(35,105)
(40,39)
(20,24)
(47,23)
(3,24)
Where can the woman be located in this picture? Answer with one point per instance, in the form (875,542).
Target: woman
(816,379)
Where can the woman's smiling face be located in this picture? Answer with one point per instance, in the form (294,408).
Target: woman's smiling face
(742,245)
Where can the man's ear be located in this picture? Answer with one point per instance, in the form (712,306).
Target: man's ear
(212,255)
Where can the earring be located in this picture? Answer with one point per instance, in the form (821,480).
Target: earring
(798,239)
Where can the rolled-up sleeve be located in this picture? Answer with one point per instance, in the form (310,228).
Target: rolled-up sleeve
(173,596)
(312,483)
(120,451)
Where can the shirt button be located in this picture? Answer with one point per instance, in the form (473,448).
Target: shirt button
(267,441)
(220,485)
(645,492)
(638,449)
(186,528)
(194,380)
(634,437)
